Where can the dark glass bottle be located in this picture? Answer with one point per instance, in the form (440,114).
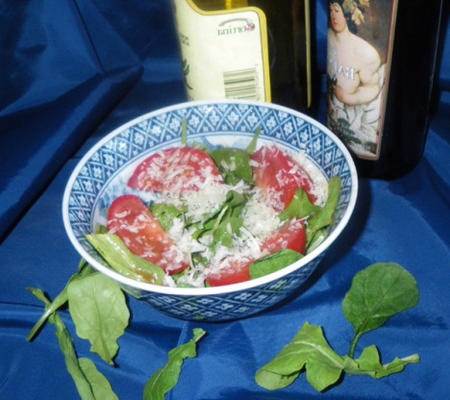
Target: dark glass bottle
(412,31)
(289,51)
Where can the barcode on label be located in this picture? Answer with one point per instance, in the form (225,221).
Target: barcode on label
(241,84)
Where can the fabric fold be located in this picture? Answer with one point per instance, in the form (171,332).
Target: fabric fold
(65,69)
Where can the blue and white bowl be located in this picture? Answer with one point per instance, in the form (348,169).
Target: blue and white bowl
(101,174)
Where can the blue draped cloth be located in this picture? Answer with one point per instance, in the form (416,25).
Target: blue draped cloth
(71,71)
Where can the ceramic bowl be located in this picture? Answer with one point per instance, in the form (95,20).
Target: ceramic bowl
(101,174)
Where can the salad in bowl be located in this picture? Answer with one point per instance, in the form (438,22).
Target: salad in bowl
(199,207)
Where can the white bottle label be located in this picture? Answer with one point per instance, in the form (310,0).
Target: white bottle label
(360,41)
(224,53)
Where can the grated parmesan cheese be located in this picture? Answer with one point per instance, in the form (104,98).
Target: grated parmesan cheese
(320,186)
(258,217)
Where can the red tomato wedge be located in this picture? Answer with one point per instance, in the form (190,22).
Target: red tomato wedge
(130,219)
(175,170)
(237,272)
(279,177)
(291,236)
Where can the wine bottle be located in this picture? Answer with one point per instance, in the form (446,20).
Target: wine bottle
(246,49)
(381,65)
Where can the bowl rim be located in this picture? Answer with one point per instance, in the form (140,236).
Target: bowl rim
(217,290)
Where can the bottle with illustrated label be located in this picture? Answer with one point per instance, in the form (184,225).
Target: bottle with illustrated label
(381,67)
(246,49)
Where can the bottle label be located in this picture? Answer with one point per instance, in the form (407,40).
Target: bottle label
(360,41)
(224,53)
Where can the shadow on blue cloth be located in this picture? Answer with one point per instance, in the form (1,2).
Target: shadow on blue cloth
(65,66)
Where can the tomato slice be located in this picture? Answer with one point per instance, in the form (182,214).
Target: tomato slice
(176,170)
(279,177)
(235,273)
(291,236)
(130,219)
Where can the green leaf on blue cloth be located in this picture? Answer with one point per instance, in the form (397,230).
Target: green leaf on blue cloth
(165,378)
(99,311)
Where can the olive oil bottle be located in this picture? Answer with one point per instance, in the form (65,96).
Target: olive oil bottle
(246,49)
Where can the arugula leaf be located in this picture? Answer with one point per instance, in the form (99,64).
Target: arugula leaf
(376,294)
(232,206)
(317,238)
(319,217)
(164,379)
(324,217)
(228,221)
(101,228)
(122,260)
(308,349)
(98,309)
(90,383)
(223,233)
(233,165)
(165,214)
(99,384)
(224,222)
(369,364)
(252,145)
(60,300)
(273,262)
(235,202)
(299,207)
(183,132)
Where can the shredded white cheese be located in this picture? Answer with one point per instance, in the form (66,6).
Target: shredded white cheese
(259,218)
(320,186)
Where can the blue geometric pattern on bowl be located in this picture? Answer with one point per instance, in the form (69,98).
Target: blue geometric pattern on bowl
(234,305)
(101,175)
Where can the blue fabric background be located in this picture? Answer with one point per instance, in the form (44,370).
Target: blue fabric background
(73,70)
